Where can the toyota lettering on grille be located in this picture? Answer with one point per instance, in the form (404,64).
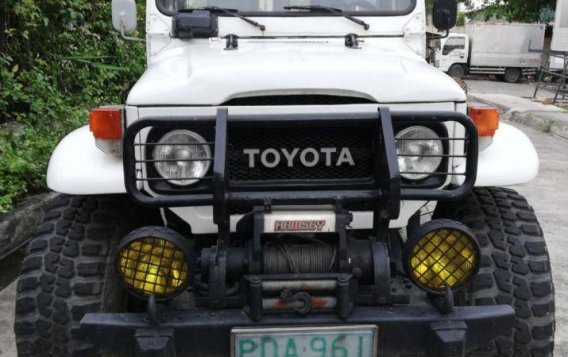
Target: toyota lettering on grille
(308,157)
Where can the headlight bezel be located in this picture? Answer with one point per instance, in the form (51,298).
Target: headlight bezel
(201,142)
(433,180)
(162,185)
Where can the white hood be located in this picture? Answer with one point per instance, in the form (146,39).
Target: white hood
(383,70)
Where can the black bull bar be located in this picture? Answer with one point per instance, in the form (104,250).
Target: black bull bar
(385,192)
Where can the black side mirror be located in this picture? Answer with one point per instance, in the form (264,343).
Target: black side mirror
(445,14)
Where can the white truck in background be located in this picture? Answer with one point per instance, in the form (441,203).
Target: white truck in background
(505,50)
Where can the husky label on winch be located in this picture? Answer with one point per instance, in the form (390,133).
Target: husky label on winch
(298,226)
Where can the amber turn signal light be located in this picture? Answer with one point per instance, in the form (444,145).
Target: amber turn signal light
(486,119)
(106,123)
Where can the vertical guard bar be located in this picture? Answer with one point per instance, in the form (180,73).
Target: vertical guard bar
(220,214)
(392,181)
(386,174)
(217,266)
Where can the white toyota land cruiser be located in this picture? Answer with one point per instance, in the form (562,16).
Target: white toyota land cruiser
(289,178)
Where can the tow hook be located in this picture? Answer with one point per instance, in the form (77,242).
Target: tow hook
(304,298)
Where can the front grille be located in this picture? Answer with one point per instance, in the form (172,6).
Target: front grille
(358,140)
(277,100)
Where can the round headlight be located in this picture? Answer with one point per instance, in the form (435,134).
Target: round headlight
(419,152)
(155,261)
(440,254)
(182,157)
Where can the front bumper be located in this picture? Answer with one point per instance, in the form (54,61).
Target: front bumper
(402,330)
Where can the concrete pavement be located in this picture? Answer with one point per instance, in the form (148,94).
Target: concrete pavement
(548,195)
(480,84)
(7,301)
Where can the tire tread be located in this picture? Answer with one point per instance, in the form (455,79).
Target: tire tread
(61,275)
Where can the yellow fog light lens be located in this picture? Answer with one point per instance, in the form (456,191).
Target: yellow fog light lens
(155,260)
(441,254)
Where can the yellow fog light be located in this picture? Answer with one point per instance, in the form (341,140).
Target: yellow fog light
(440,254)
(155,260)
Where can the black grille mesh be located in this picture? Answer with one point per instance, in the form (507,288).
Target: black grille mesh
(356,139)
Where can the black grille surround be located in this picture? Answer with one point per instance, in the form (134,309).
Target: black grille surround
(369,137)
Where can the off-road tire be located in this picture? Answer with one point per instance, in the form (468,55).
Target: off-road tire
(515,268)
(67,274)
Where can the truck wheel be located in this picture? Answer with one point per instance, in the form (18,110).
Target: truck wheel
(515,268)
(456,71)
(67,274)
(513,75)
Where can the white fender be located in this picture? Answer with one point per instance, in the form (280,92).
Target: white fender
(511,159)
(78,167)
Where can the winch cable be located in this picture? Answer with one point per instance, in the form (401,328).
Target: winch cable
(282,258)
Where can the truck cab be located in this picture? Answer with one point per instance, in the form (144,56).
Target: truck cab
(453,55)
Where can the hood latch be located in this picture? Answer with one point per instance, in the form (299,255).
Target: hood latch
(232,42)
(352,41)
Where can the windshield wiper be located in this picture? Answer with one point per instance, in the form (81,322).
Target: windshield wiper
(234,13)
(333,10)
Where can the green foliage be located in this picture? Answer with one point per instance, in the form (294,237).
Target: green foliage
(518,10)
(59,58)
(510,10)
(461,19)
(430,4)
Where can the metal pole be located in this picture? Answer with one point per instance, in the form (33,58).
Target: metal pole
(562,82)
(541,75)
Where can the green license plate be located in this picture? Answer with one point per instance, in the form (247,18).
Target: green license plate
(333,341)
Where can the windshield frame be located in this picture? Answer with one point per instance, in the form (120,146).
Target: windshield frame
(285,13)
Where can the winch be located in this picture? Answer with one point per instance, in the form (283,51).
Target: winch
(289,268)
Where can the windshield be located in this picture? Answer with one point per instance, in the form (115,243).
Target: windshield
(382,7)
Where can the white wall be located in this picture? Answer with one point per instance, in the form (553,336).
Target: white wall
(560,37)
